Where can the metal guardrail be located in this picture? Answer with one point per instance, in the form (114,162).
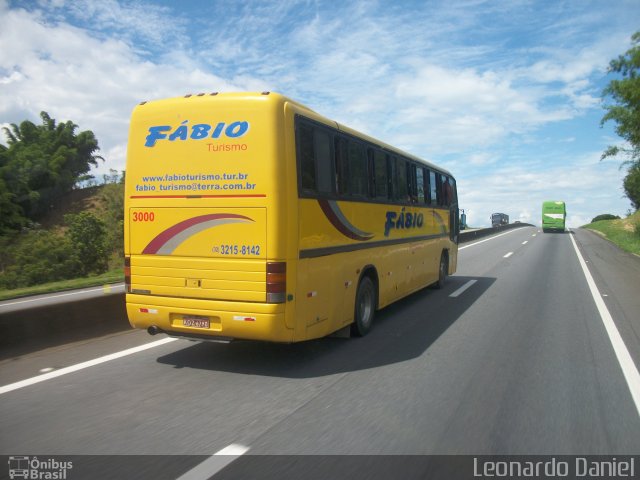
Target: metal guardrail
(38,327)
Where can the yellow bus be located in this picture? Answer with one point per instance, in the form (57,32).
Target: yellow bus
(250,216)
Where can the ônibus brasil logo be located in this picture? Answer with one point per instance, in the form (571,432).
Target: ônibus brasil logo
(198,131)
(33,468)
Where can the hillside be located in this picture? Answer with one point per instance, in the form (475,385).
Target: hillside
(81,200)
(624,232)
(78,242)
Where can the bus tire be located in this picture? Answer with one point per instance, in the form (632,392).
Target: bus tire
(365,307)
(443,270)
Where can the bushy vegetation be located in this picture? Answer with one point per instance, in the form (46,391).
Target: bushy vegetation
(37,256)
(40,169)
(605,216)
(82,246)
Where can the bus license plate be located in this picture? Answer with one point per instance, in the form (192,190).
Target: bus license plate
(196,322)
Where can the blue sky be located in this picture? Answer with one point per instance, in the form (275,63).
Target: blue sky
(504,94)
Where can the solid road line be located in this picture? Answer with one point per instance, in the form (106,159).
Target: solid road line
(80,366)
(627,364)
(215,463)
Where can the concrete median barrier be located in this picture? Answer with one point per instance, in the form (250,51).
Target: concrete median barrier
(31,329)
(471,235)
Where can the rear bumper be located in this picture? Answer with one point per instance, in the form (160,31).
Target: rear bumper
(227,320)
(552,228)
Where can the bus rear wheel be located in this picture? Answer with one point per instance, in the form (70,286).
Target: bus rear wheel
(443,269)
(365,308)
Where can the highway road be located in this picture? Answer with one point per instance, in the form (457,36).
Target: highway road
(518,354)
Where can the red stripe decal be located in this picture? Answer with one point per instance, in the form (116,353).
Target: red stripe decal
(339,224)
(163,237)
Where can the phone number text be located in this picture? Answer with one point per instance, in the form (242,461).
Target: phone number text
(237,249)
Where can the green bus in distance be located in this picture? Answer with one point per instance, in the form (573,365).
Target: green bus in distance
(554,214)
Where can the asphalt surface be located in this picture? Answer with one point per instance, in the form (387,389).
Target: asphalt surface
(517,361)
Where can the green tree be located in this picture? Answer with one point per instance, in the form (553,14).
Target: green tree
(625,92)
(631,185)
(11,215)
(88,235)
(625,109)
(43,162)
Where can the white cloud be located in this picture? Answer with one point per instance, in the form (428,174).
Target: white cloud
(74,76)
(469,85)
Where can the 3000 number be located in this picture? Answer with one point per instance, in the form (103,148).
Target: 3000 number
(143,216)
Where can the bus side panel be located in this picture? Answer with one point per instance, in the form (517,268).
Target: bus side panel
(402,244)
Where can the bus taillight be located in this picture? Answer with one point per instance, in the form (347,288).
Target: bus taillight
(127,274)
(276,282)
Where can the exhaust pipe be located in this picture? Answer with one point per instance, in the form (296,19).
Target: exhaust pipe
(153,330)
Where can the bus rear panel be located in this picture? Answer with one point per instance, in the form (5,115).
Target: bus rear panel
(204,253)
(554,216)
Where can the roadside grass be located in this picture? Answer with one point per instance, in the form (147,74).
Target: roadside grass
(112,276)
(624,232)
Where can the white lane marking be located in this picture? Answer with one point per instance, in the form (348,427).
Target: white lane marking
(487,239)
(118,287)
(508,255)
(462,289)
(83,365)
(525,242)
(215,463)
(629,368)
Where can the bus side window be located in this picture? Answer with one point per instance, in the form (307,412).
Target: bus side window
(453,193)
(358,179)
(413,188)
(391,174)
(306,157)
(442,200)
(420,178)
(448,191)
(316,159)
(433,189)
(401,190)
(324,161)
(342,167)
